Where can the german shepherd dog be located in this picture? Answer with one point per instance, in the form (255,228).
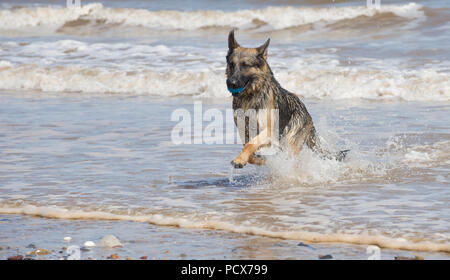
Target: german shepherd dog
(253,86)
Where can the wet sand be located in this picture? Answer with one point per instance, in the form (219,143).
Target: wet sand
(146,241)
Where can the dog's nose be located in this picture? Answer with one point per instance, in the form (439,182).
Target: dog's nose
(232,83)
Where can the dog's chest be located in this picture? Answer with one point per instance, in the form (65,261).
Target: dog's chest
(250,113)
(250,102)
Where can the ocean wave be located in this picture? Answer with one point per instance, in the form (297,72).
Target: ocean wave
(310,82)
(214,224)
(271,18)
(427,155)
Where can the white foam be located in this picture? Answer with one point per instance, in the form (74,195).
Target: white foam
(309,168)
(125,56)
(75,66)
(214,224)
(4,64)
(417,156)
(275,17)
(333,83)
(427,154)
(347,83)
(43,16)
(102,80)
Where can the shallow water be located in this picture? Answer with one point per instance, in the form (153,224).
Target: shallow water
(109,158)
(85,129)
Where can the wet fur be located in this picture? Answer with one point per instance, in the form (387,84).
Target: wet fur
(248,67)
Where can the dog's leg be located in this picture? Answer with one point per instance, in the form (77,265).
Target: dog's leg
(258,160)
(294,147)
(252,146)
(296,141)
(299,137)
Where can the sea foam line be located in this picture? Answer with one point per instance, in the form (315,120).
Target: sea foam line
(158,219)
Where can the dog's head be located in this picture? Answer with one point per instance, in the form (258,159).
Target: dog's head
(246,67)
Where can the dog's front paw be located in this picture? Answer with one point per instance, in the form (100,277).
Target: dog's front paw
(236,163)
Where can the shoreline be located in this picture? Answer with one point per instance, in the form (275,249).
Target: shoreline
(158,243)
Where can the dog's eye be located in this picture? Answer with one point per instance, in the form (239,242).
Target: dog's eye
(246,64)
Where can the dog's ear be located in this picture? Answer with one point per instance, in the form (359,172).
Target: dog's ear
(232,44)
(262,50)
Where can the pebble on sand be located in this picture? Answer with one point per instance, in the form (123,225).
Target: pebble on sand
(110,241)
(415,258)
(301,244)
(15,258)
(89,244)
(40,252)
(325,257)
(114,257)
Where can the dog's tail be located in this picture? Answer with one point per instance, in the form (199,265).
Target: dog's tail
(340,156)
(313,143)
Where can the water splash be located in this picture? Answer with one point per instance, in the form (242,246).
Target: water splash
(231,175)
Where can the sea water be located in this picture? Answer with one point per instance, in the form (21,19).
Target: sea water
(86,97)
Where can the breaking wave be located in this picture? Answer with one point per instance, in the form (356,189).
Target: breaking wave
(310,82)
(271,18)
